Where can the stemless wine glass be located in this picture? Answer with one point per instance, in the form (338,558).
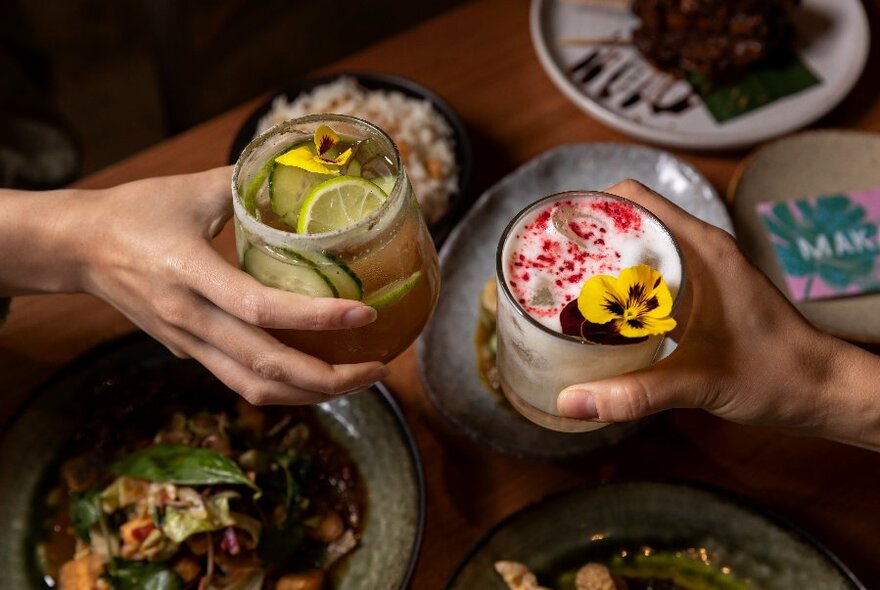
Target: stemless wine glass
(536,362)
(386,259)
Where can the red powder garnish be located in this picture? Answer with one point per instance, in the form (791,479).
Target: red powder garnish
(541,221)
(624,216)
(549,266)
(578,231)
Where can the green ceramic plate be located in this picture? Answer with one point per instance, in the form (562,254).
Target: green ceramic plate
(592,523)
(129,371)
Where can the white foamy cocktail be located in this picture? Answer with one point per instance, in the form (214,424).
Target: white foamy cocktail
(544,258)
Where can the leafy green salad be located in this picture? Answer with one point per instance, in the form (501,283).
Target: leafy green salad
(244,499)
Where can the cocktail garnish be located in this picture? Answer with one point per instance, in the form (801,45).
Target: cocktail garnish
(574,324)
(320,160)
(635,304)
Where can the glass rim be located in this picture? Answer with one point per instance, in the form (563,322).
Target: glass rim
(256,226)
(499,264)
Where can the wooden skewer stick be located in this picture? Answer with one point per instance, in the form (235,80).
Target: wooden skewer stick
(596,41)
(618,4)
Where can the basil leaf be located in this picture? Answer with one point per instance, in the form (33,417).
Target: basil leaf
(180,464)
(292,491)
(140,575)
(85,512)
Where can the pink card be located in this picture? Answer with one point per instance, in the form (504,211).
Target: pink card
(827,246)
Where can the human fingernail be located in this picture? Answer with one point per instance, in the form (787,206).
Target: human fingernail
(359,316)
(577,403)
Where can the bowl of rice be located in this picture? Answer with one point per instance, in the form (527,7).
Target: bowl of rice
(429,135)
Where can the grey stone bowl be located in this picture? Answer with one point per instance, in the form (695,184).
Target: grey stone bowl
(571,528)
(369,424)
(446,351)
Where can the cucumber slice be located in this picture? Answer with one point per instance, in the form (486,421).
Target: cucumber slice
(347,283)
(395,291)
(353,168)
(253,187)
(288,188)
(386,183)
(298,276)
(256,183)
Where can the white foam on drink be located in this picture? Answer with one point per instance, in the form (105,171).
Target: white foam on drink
(556,247)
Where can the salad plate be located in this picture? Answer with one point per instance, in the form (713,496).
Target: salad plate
(116,388)
(615,84)
(447,351)
(710,537)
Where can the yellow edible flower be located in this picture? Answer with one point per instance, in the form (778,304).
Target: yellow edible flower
(318,161)
(637,301)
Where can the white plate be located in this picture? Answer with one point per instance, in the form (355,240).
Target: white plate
(832,39)
(446,351)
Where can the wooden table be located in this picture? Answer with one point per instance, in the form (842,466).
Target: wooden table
(480,58)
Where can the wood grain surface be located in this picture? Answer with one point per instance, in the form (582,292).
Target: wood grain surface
(480,59)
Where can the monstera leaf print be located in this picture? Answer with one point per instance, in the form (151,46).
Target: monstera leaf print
(831,220)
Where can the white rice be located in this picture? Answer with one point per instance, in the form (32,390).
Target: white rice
(422,135)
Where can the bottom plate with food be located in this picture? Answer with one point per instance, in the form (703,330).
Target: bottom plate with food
(647,536)
(134,469)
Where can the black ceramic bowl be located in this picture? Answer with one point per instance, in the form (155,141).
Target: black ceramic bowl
(135,374)
(458,202)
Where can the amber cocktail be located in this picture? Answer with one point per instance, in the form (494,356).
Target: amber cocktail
(323,207)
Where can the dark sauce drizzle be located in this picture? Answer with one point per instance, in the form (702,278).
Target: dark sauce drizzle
(597,61)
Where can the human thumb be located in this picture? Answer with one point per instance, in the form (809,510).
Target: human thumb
(628,396)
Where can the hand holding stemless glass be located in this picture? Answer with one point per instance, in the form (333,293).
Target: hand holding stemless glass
(144,247)
(746,354)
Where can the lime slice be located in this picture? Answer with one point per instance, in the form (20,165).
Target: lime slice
(392,293)
(338,203)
